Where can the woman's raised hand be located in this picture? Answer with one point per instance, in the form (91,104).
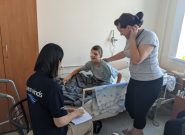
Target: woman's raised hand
(133,32)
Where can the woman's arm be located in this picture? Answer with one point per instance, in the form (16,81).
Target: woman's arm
(117,56)
(64,120)
(119,78)
(138,55)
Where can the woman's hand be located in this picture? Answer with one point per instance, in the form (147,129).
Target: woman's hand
(64,120)
(106,59)
(79,112)
(133,32)
(70,110)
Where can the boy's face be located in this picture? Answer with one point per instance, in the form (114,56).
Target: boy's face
(95,56)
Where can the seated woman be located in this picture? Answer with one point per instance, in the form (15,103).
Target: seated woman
(101,70)
(45,98)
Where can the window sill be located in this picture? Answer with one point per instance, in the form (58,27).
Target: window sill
(178,60)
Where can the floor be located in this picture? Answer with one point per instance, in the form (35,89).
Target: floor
(113,125)
(123,121)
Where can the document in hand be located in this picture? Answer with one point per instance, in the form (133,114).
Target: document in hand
(85,117)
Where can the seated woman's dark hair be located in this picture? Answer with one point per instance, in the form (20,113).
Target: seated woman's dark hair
(48,60)
(128,19)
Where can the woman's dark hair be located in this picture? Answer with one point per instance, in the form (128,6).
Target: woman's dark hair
(48,60)
(128,19)
(98,48)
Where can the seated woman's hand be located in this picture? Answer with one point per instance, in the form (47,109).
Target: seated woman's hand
(70,110)
(79,112)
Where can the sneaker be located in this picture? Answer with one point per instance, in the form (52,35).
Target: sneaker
(114,133)
(97,126)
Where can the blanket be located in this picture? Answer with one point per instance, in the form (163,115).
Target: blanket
(72,90)
(109,98)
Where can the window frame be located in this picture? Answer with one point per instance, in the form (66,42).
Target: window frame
(182,33)
(177,26)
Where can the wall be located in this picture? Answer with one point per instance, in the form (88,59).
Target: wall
(77,25)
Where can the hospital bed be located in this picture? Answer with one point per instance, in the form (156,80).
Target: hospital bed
(111,106)
(115,105)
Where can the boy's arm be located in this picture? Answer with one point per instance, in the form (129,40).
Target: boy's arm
(71,74)
(119,78)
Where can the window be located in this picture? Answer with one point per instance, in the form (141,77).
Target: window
(180,54)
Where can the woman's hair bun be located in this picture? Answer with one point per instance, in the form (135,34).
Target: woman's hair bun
(139,17)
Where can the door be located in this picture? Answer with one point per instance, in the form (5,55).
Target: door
(19,42)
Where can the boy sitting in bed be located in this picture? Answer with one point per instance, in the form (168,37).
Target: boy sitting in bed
(100,69)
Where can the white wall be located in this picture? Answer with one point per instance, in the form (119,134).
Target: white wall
(77,25)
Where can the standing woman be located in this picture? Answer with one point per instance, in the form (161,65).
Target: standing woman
(146,76)
(46,101)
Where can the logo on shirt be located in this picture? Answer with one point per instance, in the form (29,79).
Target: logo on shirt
(32,98)
(34,92)
(33,95)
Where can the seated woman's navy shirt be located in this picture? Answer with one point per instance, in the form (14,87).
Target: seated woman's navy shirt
(45,101)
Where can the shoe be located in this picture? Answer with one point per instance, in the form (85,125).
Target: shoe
(97,126)
(114,133)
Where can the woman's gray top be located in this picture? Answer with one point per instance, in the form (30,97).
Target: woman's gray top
(149,69)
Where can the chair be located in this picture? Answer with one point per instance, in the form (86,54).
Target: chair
(18,117)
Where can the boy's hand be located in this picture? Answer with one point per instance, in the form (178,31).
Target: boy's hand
(66,78)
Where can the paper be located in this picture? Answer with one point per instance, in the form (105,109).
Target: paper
(85,117)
